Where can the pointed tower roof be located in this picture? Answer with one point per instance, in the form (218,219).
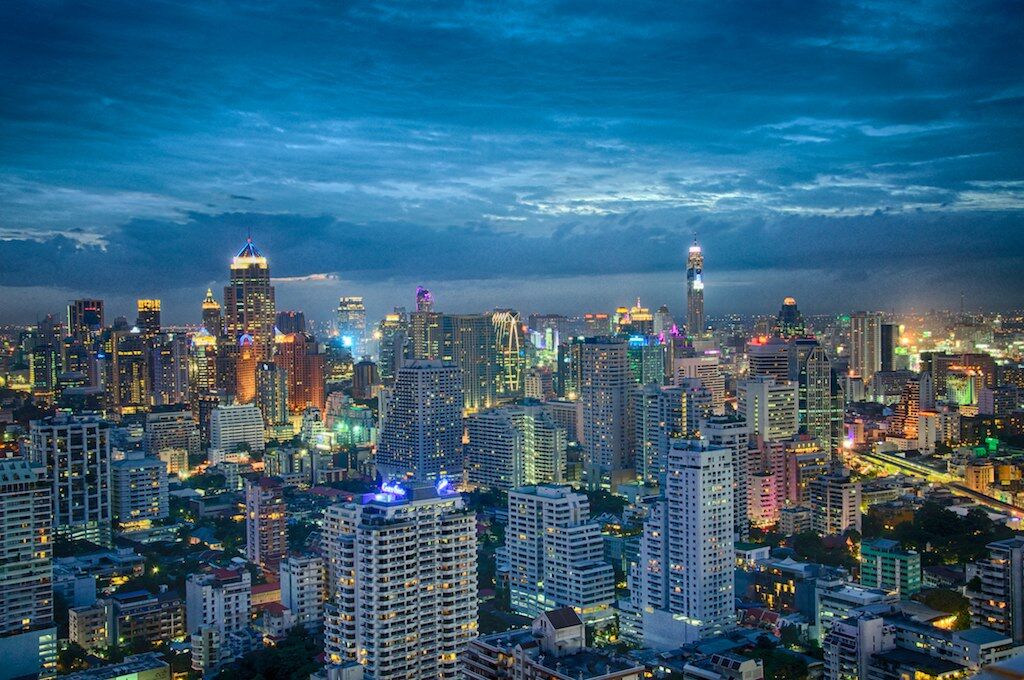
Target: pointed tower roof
(209,302)
(249,249)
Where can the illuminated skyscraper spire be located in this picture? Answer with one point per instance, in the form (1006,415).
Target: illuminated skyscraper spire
(249,300)
(695,323)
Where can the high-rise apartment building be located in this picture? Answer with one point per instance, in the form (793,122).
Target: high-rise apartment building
(733,433)
(555,554)
(304,589)
(393,345)
(997,602)
(266,527)
(234,429)
(884,564)
(75,450)
(604,391)
(768,356)
(272,392)
(695,321)
(681,585)
(28,637)
(706,368)
(835,503)
(819,407)
(139,491)
(85,320)
(303,364)
(421,426)
(658,415)
(493,450)
(249,307)
(402,582)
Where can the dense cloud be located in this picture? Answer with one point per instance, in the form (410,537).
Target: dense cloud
(848,150)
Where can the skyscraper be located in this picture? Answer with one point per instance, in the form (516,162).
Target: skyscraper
(213,320)
(402,580)
(249,307)
(790,323)
(606,382)
(508,333)
(85,319)
(865,344)
(266,531)
(352,323)
(28,638)
(733,433)
(272,393)
(392,346)
(75,450)
(303,364)
(819,412)
(148,319)
(138,491)
(769,407)
(695,322)
(658,416)
(555,554)
(421,425)
(424,300)
(469,341)
(682,582)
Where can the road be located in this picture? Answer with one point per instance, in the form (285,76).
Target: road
(932,475)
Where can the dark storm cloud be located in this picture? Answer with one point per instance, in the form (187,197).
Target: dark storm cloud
(468,140)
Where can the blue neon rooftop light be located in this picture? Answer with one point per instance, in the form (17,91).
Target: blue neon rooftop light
(249,249)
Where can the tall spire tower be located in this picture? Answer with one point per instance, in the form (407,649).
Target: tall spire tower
(249,300)
(695,322)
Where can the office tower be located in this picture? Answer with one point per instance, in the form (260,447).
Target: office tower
(835,503)
(421,430)
(402,582)
(819,412)
(997,602)
(569,369)
(646,359)
(733,433)
(698,403)
(202,364)
(658,416)
(424,300)
(889,340)
(695,323)
(596,324)
(763,499)
(44,369)
(303,366)
(865,344)
(304,589)
(148,319)
(905,411)
(706,368)
(169,369)
(352,323)
(171,427)
(266,529)
(365,380)
(469,341)
(129,370)
(393,333)
(272,392)
(235,429)
(290,321)
(884,564)
(75,450)
(28,636)
(213,319)
(138,491)
(768,356)
(85,320)
(790,323)
(682,581)
(508,338)
(249,301)
(998,401)
(555,554)
(604,391)
(796,462)
(769,406)
(245,358)
(493,450)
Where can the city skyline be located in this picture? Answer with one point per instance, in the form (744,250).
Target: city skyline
(846,154)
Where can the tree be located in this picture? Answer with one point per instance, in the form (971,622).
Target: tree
(293,658)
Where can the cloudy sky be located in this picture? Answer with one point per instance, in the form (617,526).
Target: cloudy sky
(554,156)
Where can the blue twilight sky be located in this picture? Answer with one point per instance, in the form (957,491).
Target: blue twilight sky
(553,156)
